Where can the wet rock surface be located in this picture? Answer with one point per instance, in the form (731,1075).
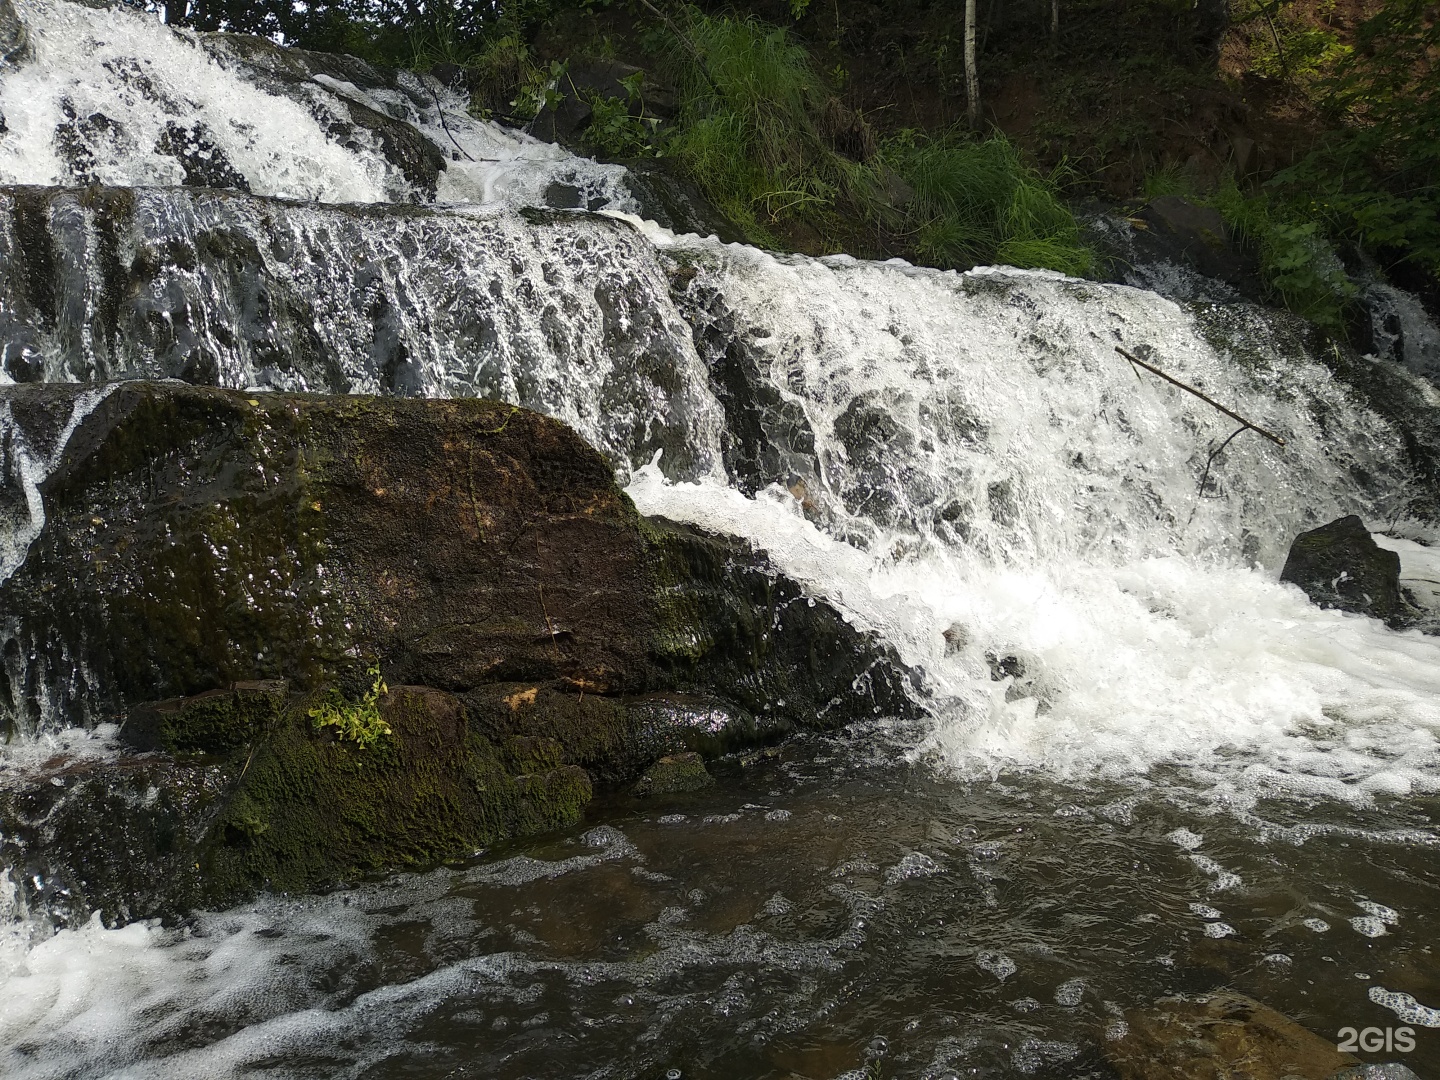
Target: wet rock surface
(220,288)
(767,438)
(1340,566)
(14,37)
(211,568)
(675,203)
(1170,227)
(294,72)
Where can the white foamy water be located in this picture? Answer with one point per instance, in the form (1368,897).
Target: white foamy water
(1145,620)
(110,93)
(24,464)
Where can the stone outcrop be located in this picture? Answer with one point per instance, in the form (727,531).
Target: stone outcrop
(342,634)
(1340,566)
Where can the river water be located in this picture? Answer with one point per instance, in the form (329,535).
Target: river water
(1147,767)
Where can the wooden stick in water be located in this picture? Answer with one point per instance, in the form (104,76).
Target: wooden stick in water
(1276,439)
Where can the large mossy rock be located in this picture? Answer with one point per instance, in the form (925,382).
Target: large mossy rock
(214,570)
(1340,566)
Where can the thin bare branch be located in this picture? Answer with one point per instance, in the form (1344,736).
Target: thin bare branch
(1205,477)
(1276,439)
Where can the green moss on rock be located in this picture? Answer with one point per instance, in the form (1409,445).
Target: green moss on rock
(311,810)
(216,722)
(674,774)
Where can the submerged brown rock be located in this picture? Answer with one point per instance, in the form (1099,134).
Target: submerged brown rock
(236,578)
(1221,1036)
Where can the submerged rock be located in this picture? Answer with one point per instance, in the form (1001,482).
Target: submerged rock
(1340,566)
(1220,1035)
(234,578)
(674,774)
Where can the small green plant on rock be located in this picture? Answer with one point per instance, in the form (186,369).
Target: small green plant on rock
(358,722)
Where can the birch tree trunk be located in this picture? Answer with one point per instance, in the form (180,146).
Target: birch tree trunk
(972,75)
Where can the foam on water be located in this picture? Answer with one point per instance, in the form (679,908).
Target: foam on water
(127,1002)
(140,75)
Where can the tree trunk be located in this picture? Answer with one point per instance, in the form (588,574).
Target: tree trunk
(972,75)
(1055,23)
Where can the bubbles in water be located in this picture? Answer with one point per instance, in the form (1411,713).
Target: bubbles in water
(1070,993)
(914,865)
(1386,915)
(776,906)
(1186,839)
(1002,967)
(1320,926)
(1405,1006)
(1369,926)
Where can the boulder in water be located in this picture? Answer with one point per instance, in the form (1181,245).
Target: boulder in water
(237,578)
(1340,566)
(1197,236)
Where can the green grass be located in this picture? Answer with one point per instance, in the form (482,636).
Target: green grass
(978,201)
(746,132)
(1297,260)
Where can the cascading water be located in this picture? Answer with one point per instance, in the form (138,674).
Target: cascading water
(1133,727)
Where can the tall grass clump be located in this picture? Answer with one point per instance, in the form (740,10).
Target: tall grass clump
(1298,263)
(746,133)
(980,202)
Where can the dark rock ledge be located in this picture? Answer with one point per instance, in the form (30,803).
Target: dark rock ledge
(215,565)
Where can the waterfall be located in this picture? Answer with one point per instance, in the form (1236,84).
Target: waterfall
(962,462)
(1077,560)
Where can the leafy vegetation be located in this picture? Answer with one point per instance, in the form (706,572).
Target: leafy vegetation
(360,721)
(765,138)
(1371,186)
(1297,260)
